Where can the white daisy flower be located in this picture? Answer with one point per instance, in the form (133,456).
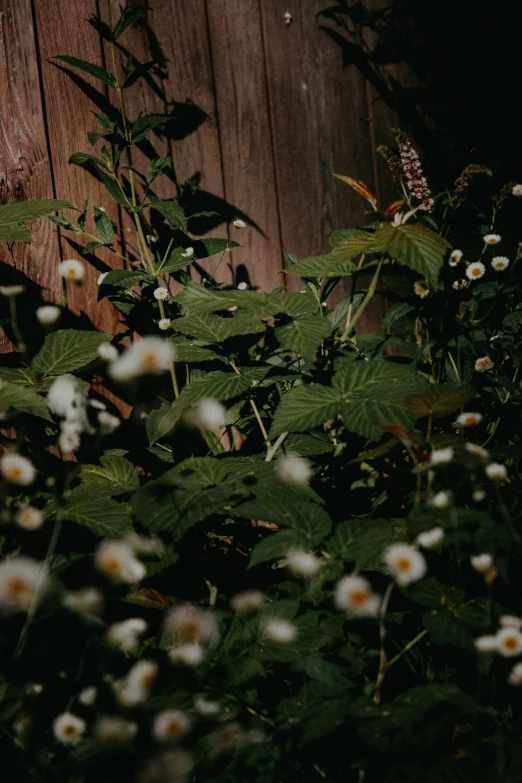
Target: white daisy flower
(101,278)
(68,728)
(126,634)
(208,415)
(11,290)
(66,399)
(460,283)
(476,450)
(517,190)
(509,642)
(189,252)
(164,323)
(143,674)
(108,352)
(108,423)
(421,288)
(161,292)
(148,356)
(484,363)
(86,601)
(242,286)
(279,631)
(510,621)
(247,601)
(23,583)
(482,563)
(18,470)
(515,675)
(500,263)
(151,239)
(116,560)
(88,696)
(206,708)
(486,644)
(188,654)
(71,270)
(475,270)
(441,456)
(440,500)
(468,419)
(431,539)
(171,725)
(302,563)
(492,239)
(406,564)
(48,314)
(353,594)
(291,469)
(29,517)
(478,495)
(238,223)
(69,442)
(496,471)
(113,730)
(98,405)
(288,18)
(455,257)
(188,623)
(34,689)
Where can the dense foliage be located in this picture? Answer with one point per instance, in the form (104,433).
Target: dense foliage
(282,551)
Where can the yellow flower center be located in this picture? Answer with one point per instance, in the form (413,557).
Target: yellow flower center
(14,474)
(403,564)
(174,729)
(510,643)
(71,273)
(476,272)
(111,566)
(69,731)
(359,597)
(149,361)
(16,587)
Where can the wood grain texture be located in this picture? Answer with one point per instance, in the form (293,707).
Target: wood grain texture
(25,170)
(238,57)
(69,117)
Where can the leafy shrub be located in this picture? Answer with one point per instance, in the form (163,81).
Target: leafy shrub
(272,552)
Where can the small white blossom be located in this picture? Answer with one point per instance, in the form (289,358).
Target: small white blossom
(101,278)
(98,405)
(48,314)
(302,563)
(353,594)
(431,539)
(484,363)
(148,356)
(510,621)
(88,696)
(496,471)
(108,423)
(242,286)
(475,270)
(11,290)
(68,728)
(188,623)
(71,270)
(108,352)
(476,450)
(486,644)
(421,288)
(188,654)
(206,708)
(18,470)
(500,263)
(492,239)
(143,674)
(509,642)
(441,456)
(114,731)
(468,419)
(460,283)
(189,252)
(34,689)
(208,414)
(238,223)
(164,324)
(455,257)
(482,563)
(478,495)
(23,583)
(279,631)
(171,725)
(288,18)
(515,675)
(406,564)
(161,292)
(291,469)
(517,190)
(126,635)
(116,560)
(86,601)
(29,517)
(65,398)
(151,239)
(69,442)
(440,500)
(247,601)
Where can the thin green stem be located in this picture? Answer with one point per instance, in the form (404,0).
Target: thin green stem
(406,648)
(383,661)
(271,452)
(364,304)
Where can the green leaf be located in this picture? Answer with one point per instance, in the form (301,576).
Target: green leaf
(305,407)
(128,16)
(413,246)
(440,400)
(22,398)
(144,124)
(15,232)
(361,541)
(93,70)
(97,510)
(191,351)
(117,471)
(304,335)
(91,247)
(66,350)
(214,245)
(176,261)
(123,278)
(101,172)
(274,546)
(308,445)
(322,266)
(171,211)
(19,211)
(215,329)
(104,228)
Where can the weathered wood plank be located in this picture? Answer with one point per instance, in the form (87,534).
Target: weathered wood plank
(238,59)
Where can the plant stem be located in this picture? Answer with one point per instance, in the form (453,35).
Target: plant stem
(256,411)
(271,452)
(407,647)
(350,324)
(383,662)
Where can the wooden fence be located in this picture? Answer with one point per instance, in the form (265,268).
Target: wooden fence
(281,115)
